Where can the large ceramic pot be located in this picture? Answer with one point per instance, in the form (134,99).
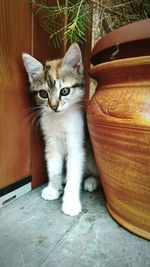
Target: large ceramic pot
(119,124)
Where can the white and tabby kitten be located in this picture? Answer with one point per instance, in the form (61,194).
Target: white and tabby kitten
(59,89)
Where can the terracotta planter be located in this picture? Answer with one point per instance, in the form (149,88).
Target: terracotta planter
(119,123)
(128,41)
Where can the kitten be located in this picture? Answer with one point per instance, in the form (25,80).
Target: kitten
(59,89)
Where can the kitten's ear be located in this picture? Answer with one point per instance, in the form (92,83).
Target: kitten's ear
(73,58)
(33,67)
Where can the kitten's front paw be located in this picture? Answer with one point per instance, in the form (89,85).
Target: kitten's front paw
(49,193)
(90,184)
(71,208)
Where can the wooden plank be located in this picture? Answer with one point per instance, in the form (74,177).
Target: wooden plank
(15,35)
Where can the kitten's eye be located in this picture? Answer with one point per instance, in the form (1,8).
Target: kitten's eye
(65,91)
(43,94)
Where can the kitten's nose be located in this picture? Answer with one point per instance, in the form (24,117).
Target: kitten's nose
(54,107)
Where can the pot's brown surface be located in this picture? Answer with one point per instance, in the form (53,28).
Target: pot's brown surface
(119,124)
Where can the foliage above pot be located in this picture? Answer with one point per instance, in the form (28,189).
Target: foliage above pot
(69,20)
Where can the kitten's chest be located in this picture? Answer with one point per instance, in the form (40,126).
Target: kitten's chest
(63,131)
(53,128)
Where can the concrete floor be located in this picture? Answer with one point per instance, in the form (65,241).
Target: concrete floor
(35,233)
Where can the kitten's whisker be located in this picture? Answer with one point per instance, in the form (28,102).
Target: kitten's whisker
(28,110)
(27,119)
(37,115)
(29,113)
(31,108)
(33,115)
(38,122)
(40,118)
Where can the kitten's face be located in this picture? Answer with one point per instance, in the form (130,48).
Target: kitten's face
(59,84)
(58,88)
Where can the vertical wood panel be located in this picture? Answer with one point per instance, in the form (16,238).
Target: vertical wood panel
(15,37)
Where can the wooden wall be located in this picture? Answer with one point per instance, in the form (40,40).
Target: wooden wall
(21,145)
(15,36)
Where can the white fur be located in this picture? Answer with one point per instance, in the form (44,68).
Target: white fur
(64,140)
(90,184)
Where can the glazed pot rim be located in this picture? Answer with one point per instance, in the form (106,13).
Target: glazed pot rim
(115,64)
(139,30)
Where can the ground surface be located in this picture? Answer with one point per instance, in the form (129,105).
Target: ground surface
(35,233)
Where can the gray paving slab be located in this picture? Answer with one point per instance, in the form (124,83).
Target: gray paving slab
(35,233)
